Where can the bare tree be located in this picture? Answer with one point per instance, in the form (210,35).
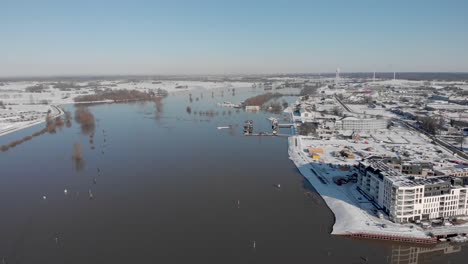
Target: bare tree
(337,111)
(307,128)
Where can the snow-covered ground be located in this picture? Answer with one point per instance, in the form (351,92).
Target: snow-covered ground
(353,213)
(17,117)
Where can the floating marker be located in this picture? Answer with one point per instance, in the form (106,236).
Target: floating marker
(65,191)
(44,197)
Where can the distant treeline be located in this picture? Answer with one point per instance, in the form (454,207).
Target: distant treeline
(121,95)
(448,76)
(309,89)
(38,88)
(259,100)
(415,76)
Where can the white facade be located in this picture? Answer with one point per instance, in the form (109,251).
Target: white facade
(352,123)
(448,205)
(405,199)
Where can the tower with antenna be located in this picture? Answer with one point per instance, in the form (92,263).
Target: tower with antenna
(373,79)
(337,78)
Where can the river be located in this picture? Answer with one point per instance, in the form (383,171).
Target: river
(168,187)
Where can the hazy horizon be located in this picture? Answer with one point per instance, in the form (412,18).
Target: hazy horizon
(54,38)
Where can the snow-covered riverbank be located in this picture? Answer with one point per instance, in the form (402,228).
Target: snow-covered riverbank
(354,214)
(37,116)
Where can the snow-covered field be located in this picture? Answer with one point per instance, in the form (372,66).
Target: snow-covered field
(17,117)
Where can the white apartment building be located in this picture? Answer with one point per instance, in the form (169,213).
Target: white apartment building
(408,198)
(360,124)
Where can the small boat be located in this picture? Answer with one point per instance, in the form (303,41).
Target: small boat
(90,194)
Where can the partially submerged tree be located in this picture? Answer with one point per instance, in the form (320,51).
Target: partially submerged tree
(77,157)
(86,119)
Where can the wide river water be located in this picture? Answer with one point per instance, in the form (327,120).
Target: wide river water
(168,187)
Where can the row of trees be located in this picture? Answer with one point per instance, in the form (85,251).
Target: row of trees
(276,107)
(51,127)
(38,88)
(261,99)
(431,124)
(309,90)
(121,95)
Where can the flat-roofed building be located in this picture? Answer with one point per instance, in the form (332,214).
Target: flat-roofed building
(409,198)
(360,124)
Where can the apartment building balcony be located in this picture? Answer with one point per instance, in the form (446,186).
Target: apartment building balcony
(405,208)
(406,197)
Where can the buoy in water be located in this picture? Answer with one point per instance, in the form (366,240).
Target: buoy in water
(65,191)
(44,197)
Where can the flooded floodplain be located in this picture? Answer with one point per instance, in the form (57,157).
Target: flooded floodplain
(158,182)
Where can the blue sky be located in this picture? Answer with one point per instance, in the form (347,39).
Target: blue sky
(231,37)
